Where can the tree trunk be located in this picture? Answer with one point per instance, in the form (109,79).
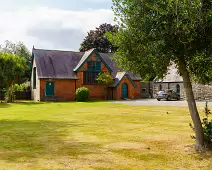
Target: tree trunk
(192,104)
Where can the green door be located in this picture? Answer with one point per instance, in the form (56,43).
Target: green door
(124,91)
(50,89)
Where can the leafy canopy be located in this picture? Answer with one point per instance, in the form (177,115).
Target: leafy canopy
(97,39)
(20,50)
(154,34)
(12,69)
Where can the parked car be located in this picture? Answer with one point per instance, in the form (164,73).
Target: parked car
(167,95)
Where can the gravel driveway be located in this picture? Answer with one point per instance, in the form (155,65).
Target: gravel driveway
(154,102)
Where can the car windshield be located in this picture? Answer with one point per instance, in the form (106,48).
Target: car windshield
(161,92)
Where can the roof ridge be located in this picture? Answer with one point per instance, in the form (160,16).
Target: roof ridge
(57,50)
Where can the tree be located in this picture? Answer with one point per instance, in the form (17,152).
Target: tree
(18,49)
(97,39)
(105,80)
(155,34)
(12,69)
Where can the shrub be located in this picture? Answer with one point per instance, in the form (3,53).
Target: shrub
(21,88)
(207,127)
(82,94)
(10,95)
(105,79)
(11,92)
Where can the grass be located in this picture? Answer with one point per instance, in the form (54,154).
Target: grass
(97,135)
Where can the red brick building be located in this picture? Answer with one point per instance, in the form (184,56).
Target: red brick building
(58,74)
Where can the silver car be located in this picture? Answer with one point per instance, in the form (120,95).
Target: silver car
(167,95)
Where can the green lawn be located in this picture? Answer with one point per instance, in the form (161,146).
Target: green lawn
(97,135)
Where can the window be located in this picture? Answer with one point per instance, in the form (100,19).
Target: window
(144,90)
(178,89)
(34,78)
(94,66)
(91,65)
(160,87)
(168,86)
(90,78)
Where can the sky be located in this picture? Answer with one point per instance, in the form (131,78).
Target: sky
(52,24)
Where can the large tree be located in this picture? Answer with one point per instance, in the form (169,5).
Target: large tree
(12,69)
(155,34)
(97,39)
(20,50)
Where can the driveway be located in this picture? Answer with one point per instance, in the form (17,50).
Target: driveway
(154,102)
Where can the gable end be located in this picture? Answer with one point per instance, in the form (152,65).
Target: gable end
(77,69)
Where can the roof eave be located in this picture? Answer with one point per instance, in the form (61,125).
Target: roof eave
(126,75)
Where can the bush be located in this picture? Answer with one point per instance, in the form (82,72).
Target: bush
(105,79)
(10,95)
(82,94)
(11,92)
(21,88)
(207,127)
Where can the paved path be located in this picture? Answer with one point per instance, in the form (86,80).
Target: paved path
(154,102)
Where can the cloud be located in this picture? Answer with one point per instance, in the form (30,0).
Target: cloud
(51,28)
(61,38)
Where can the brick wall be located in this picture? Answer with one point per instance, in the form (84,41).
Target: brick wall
(96,91)
(131,89)
(64,89)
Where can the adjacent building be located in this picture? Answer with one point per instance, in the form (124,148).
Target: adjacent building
(174,81)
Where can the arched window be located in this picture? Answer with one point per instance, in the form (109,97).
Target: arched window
(160,87)
(178,89)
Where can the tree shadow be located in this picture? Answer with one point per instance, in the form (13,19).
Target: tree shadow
(29,103)
(40,139)
(205,154)
(4,105)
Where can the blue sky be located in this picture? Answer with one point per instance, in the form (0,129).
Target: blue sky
(52,24)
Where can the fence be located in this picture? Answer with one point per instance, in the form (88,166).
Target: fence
(18,95)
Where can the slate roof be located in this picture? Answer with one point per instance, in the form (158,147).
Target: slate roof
(172,75)
(108,57)
(53,64)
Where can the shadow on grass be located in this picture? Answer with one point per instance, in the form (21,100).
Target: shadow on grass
(40,139)
(27,103)
(204,155)
(4,105)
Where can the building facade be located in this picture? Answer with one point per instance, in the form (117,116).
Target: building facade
(174,81)
(56,75)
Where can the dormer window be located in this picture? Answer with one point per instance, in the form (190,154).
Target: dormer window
(94,66)
(90,76)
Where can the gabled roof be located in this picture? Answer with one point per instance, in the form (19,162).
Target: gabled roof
(172,75)
(86,57)
(109,59)
(53,64)
(120,76)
